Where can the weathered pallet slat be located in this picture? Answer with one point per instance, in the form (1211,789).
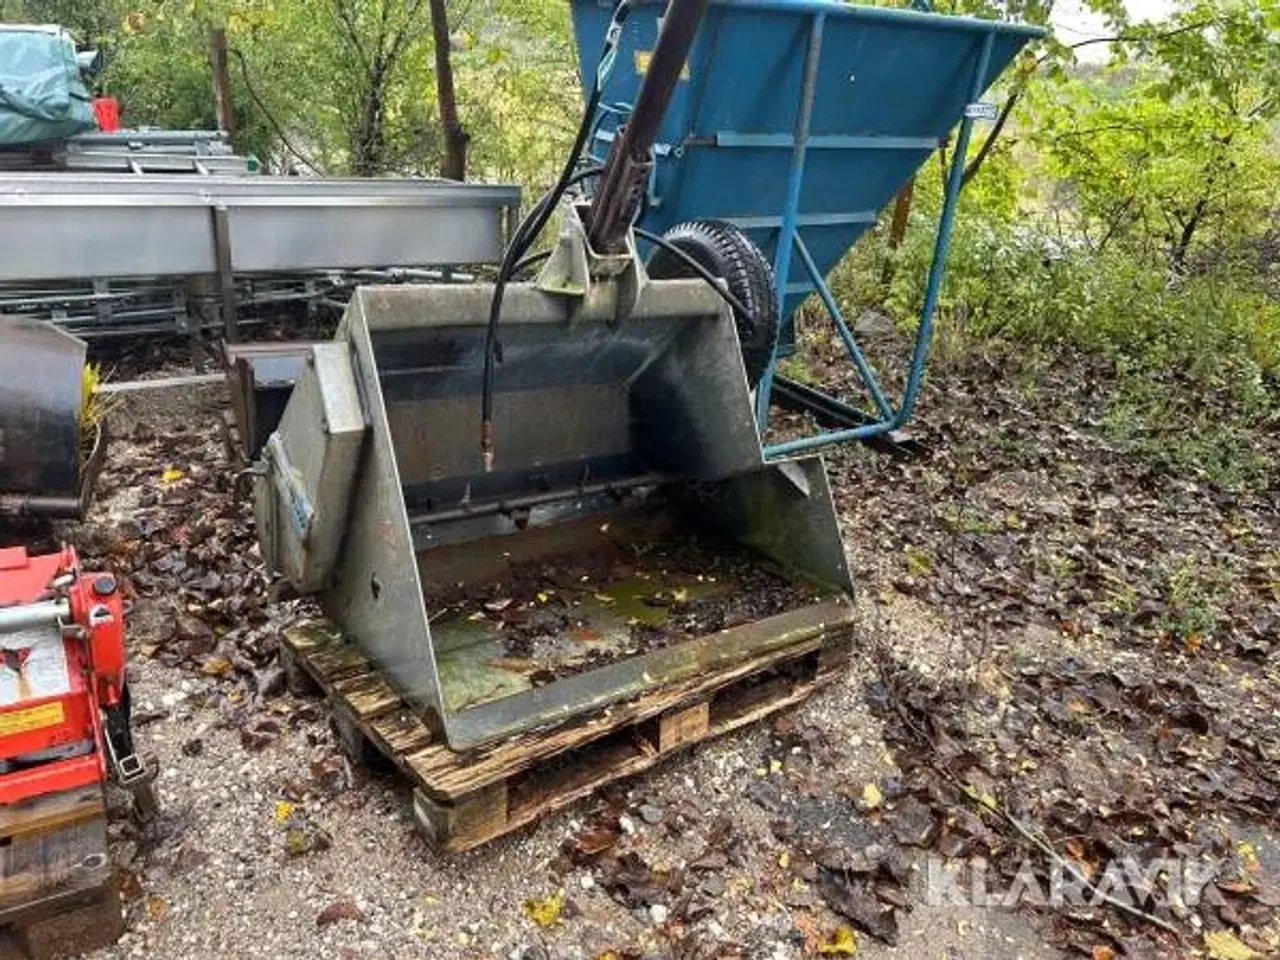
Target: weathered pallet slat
(462,800)
(57,897)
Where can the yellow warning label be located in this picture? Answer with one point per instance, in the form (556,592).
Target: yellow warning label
(642,64)
(33,718)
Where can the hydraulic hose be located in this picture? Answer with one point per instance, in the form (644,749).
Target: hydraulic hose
(534,223)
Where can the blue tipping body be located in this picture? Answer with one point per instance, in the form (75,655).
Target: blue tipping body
(798,120)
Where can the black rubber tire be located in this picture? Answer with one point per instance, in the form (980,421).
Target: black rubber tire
(728,254)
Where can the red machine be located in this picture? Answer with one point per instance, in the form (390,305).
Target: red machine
(63,701)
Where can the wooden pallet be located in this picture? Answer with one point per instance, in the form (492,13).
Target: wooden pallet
(57,894)
(463,799)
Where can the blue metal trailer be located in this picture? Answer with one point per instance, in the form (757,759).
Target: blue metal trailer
(797,121)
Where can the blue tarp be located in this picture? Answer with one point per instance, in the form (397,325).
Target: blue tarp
(41,95)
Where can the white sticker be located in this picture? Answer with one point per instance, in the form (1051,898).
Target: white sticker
(981,111)
(34,666)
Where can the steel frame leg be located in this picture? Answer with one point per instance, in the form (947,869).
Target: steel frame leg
(791,212)
(788,239)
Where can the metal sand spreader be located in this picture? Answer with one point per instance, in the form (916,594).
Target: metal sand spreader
(797,121)
(616,531)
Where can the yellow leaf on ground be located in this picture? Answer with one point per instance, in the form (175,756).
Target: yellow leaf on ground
(170,475)
(1225,945)
(284,810)
(843,943)
(156,908)
(545,912)
(871,796)
(1248,855)
(295,842)
(986,799)
(542,598)
(216,667)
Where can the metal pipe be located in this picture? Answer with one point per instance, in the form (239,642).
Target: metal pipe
(943,242)
(28,615)
(21,505)
(627,167)
(174,137)
(791,210)
(512,504)
(802,444)
(163,383)
(851,346)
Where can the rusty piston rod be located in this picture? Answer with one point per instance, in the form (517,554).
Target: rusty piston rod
(626,169)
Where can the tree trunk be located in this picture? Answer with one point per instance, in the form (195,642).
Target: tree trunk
(456,137)
(1178,260)
(974,165)
(897,232)
(367,158)
(221,80)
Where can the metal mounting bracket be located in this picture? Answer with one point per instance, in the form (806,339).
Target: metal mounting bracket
(574,266)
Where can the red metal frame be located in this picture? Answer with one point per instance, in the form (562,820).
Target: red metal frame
(93,642)
(26,579)
(52,777)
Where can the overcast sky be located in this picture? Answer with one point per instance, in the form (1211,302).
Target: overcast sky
(1073,22)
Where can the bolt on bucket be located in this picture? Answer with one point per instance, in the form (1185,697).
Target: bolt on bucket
(629,536)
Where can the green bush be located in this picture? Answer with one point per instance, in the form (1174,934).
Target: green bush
(1007,281)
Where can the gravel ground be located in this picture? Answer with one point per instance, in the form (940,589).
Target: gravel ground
(221,872)
(220,881)
(271,844)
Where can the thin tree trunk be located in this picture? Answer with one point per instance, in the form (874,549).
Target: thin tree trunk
(897,232)
(974,165)
(456,137)
(1183,244)
(221,80)
(368,159)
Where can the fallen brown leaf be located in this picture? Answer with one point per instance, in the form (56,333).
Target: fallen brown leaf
(339,910)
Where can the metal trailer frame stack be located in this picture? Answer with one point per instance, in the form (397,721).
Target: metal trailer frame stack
(261,235)
(201,152)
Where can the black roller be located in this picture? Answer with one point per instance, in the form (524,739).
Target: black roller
(728,253)
(41,369)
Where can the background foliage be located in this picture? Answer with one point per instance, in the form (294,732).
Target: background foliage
(1126,209)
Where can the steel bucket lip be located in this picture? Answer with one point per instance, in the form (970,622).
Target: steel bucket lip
(802,630)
